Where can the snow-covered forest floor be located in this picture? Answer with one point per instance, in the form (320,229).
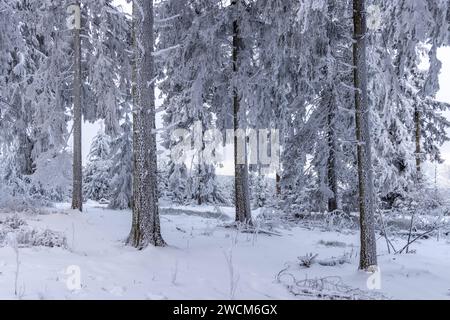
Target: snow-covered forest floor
(205,260)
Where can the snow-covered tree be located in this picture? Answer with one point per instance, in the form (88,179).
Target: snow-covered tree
(106,70)
(122,168)
(178,183)
(36,85)
(145,228)
(368,252)
(259,190)
(187,89)
(330,122)
(97,178)
(77,177)
(402,94)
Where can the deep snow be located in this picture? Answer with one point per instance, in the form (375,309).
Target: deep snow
(194,265)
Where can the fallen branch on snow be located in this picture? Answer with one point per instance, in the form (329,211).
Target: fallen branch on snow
(245,228)
(328,288)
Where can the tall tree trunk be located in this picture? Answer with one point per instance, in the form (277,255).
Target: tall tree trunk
(26,154)
(77,193)
(200,166)
(145,227)
(200,178)
(331,114)
(417,138)
(368,254)
(331,161)
(278,184)
(242,197)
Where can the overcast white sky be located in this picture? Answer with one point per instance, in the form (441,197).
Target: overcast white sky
(126,6)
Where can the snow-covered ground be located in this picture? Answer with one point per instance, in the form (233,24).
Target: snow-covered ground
(197,263)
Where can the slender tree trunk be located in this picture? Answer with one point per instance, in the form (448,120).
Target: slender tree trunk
(418,148)
(145,228)
(278,184)
(77,193)
(200,168)
(242,197)
(368,255)
(26,150)
(200,178)
(331,115)
(331,161)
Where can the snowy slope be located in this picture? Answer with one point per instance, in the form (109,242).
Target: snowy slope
(194,265)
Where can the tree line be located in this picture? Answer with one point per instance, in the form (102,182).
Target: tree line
(342,81)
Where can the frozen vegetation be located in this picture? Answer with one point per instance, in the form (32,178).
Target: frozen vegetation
(327,117)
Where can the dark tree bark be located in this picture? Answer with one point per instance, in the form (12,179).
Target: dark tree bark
(199,196)
(331,161)
(278,184)
(145,228)
(77,193)
(332,181)
(26,150)
(242,196)
(368,254)
(417,139)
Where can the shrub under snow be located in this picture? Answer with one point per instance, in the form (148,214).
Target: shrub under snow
(28,236)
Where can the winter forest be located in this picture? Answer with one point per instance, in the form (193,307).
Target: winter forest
(242,149)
